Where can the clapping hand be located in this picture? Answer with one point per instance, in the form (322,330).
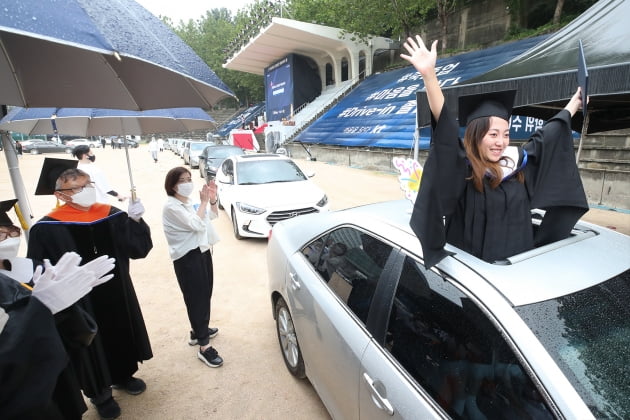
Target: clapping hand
(61,285)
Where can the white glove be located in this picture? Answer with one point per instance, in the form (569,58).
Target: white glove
(63,284)
(135,210)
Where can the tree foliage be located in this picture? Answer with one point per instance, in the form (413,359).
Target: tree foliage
(362,18)
(209,37)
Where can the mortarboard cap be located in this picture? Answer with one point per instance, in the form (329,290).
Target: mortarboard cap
(5,206)
(51,169)
(491,104)
(582,76)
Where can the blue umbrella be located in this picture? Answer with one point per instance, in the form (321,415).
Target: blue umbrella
(96,121)
(98,53)
(100,122)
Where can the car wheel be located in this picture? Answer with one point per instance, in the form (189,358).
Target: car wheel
(237,234)
(287,338)
(68,151)
(34,152)
(219,203)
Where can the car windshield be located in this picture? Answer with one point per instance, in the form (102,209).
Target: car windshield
(198,147)
(588,335)
(267,171)
(222,153)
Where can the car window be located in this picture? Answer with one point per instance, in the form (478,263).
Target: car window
(268,171)
(351,262)
(455,353)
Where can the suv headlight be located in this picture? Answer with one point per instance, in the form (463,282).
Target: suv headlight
(323,201)
(246,208)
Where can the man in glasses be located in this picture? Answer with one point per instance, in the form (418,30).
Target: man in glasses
(92,229)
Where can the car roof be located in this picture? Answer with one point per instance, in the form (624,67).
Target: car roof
(591,255)
(260,156)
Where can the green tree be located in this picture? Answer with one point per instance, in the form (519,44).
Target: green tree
(362,18)
(209,37)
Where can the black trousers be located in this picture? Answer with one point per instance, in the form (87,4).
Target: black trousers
(194,275)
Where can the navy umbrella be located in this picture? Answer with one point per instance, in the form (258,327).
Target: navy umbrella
(96,121)
(98,53)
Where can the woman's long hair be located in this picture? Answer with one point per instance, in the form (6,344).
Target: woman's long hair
(482,167)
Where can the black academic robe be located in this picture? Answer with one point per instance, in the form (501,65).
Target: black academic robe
(32,355)
(122,340)
(496,223)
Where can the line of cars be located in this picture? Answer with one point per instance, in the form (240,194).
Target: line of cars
(40,146)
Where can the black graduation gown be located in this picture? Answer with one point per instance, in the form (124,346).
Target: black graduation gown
(32,355)
(496,223)
(122,340)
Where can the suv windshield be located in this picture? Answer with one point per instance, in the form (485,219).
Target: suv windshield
(588,335)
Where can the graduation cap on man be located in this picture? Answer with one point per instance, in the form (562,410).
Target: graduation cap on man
(51,170)
(5,206)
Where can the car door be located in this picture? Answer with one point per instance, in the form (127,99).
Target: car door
(442,357)
(386,389)
(330,297)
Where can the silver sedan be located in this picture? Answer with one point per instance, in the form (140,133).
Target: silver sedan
(543,334)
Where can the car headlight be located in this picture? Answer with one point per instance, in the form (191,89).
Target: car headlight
(323,201)
(246,208)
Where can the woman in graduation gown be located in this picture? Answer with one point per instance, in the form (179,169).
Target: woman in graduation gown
(477,194)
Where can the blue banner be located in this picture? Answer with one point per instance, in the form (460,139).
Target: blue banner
(381,111)
(241,119)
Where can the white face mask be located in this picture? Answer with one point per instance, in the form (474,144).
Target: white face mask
(85,198)
(185,189)
(9,247)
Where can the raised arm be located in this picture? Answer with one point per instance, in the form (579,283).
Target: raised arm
(424,61)
(575,103)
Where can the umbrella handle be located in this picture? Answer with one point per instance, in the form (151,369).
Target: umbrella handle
(133,187)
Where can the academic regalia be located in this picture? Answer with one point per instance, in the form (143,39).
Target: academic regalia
(32,355)
(122,338)
(496,223)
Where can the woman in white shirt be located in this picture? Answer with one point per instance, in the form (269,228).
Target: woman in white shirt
(190,235)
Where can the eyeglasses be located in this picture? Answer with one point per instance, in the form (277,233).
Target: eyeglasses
(77,190)
(12,233)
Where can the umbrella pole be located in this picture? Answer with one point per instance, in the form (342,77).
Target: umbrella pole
(582,135)
(133,187)
(25,214)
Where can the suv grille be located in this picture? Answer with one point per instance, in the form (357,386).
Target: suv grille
(278,216)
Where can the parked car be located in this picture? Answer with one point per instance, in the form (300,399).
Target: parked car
(211,157)
(258,190)
(181,145)
(191,153)
(543,334)
(87,142)
(36,147)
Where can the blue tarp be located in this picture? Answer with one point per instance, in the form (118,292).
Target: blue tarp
(241,119)
(381,111)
